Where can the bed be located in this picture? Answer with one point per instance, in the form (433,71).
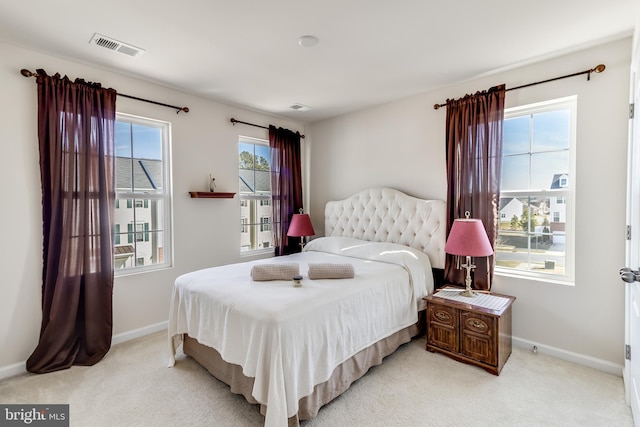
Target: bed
(294,349)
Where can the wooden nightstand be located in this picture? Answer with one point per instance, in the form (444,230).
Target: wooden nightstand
(474,334)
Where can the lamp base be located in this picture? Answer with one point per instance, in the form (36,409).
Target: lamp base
(468,292)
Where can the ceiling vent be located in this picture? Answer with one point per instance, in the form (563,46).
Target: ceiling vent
(300,107)
(115,45)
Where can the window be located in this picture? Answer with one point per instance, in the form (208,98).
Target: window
(141,235)
(255,195)
(535,234)
(143,195)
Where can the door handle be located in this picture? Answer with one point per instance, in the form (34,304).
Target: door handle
(629,275)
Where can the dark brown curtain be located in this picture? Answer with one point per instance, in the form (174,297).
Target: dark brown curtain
(474,167)
(286,186)
(76,122)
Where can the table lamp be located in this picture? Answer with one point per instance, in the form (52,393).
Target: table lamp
(300,227)
(468,238)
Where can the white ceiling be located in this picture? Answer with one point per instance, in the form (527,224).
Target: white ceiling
(245,52)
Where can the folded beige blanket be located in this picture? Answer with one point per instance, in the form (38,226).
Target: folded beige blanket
(263,272)
(331,271)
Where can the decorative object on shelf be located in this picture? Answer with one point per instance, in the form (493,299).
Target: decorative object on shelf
(468,238)
(212,184)
(300,227)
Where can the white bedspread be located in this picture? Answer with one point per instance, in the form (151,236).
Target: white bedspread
(290,339)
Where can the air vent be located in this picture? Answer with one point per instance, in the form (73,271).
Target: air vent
(300,107)
(115,45)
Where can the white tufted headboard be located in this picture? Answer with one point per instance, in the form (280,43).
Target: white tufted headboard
(388,215)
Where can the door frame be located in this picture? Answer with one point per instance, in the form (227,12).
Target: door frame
(632,243)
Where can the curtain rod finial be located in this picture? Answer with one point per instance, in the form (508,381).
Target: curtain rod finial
(599,68)
(27,73)
(436,106)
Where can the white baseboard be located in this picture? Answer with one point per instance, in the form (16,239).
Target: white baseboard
(141,332)
(580,359)
(13,370)
(20,368)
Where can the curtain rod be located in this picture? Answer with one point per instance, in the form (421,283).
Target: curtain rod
(598,69)
(28,73)
(234,121)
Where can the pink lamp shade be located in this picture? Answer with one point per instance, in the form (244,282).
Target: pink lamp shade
(468,238)
(300,226)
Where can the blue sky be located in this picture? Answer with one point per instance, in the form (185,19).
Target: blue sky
(147,141)
(537,155)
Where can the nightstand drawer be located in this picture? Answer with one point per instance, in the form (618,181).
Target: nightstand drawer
(442,314)
(477,323)
(477,342)
(442,327)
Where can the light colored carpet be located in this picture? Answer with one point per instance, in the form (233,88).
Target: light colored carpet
(132,386)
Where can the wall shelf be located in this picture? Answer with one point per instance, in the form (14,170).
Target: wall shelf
(209,195)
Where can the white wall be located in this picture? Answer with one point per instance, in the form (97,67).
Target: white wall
(402,145)
(206,231)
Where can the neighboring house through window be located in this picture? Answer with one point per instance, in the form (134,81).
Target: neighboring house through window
(535,235)
(143,194)
(255,195)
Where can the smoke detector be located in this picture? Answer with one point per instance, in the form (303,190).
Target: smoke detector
(300,107)
(115,45)
(308,41)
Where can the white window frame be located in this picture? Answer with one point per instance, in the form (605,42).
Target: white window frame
(165,197)
(569,103)
(255,200)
